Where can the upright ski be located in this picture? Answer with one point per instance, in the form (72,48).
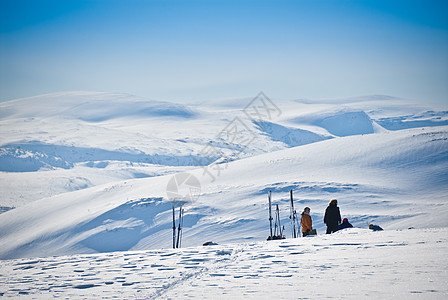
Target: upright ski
(293,216)
(179,231)
(278,229)
(270,216)
(174,227)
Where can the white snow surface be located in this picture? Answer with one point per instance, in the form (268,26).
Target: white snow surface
(84,175)
(350,264)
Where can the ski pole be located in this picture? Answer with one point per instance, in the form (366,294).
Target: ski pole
(182,228)
(270,213)
(174,227)
(179,228)
(293,217)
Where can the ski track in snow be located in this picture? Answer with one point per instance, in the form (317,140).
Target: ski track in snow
(350,264)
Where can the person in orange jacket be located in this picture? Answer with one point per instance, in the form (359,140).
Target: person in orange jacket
(307,223)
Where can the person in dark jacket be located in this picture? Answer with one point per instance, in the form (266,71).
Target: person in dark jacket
(345,224)
(332,216)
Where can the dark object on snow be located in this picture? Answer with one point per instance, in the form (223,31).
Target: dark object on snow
(375,227)
(209,244)
(345,224)
(310,232)
(332,216)
(275,237)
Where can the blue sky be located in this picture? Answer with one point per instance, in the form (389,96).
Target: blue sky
(198,50)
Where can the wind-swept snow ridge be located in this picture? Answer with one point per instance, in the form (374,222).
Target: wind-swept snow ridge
(424,119)
(91,107)
(292,137)
(397,179)
(340,122)
(34,156)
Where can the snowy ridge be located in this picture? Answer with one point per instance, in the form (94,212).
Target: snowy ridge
(292,137)
(344,122)
(34,156)
(91,107)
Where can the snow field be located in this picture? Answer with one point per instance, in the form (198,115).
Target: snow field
(351,264)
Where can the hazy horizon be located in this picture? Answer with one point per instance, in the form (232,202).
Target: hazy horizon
(198,50)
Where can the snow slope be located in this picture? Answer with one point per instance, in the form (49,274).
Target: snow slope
(88,172)
(67,141)
(351,264)
(83,175)
(398,179)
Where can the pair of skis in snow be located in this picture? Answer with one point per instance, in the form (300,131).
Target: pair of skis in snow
(277,233)
(177,239)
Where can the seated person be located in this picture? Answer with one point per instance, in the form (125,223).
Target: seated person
(344,224)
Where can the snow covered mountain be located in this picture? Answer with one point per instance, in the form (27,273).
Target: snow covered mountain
(88,172)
